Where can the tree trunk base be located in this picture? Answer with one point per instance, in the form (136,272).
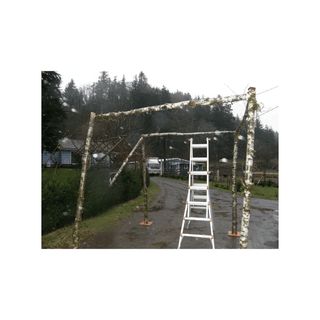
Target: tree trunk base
(233,234)
(145,224)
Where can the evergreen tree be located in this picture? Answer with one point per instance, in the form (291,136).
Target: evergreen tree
(72,96)
(165,96)
(52,110)
(101,90)
(123,95)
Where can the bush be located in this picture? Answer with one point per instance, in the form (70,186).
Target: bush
(59,202)
(59,198)
(269,183)
(262,183)
(131,184)
(239,186)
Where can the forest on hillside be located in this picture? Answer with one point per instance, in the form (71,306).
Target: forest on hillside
(112,95)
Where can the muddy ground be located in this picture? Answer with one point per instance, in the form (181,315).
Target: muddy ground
(166,215)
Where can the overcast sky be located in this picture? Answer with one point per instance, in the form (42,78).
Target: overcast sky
(196,47)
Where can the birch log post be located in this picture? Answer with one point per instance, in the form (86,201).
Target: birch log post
(234,231)
(144,183)
(234,190)
(76,240)
(247,184)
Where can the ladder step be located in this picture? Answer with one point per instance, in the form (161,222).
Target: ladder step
(199,173)
(197,219)
(198,146)
(199,197)
(196,235)
(197,203)
(202,159)
(199,187)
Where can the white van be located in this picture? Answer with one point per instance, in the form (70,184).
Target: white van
(153,166)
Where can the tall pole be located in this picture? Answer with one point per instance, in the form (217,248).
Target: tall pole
(76,240)
(145,222)
(248,184)
(234,190)
(234,231)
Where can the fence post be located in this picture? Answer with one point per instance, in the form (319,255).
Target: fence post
(247,184)
(76,240)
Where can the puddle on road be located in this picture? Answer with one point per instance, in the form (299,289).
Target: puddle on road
(160,245)
(224,214)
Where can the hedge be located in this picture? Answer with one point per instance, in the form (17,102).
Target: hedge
(59,197)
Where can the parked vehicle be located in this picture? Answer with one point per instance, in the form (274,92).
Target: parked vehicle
(153,166)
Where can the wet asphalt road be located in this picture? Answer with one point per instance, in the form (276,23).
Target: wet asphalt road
(166,215)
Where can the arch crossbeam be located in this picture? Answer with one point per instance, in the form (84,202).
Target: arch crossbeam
(177,105)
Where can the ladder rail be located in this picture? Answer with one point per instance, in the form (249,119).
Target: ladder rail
(192,202)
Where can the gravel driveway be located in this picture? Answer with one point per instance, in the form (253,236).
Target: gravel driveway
(166,216)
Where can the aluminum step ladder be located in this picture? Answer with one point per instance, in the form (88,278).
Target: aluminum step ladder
(194,199)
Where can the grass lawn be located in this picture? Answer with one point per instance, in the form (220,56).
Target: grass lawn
(62,238)
(258,191)
(61,175)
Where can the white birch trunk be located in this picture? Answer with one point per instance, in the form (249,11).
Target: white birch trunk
(76,240)
(144,183)
(234,174)
(182,133)
(252,107)
(234,190)
(125,162)
(172,106)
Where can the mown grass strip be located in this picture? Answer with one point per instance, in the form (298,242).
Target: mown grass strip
(62,238)
(258,191)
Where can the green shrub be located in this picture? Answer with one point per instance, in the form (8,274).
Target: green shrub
(239,186)
(269,183)
(59,197)
(59,201)
(131,184)
(262,183)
